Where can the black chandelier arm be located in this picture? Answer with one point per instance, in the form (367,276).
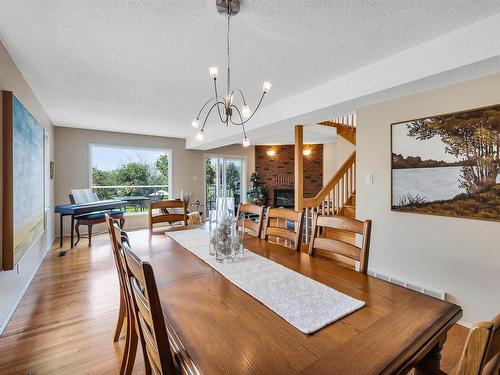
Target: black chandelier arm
(217,96)
(256,108)
(208,113)
(241,93)
(241,121)
(203,107)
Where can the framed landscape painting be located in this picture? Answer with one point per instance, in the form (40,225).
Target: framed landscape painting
(448,165)
(23,180)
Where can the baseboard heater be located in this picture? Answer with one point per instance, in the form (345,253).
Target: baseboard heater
(410,285)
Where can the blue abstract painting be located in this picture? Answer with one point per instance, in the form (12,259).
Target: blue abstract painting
(28,179)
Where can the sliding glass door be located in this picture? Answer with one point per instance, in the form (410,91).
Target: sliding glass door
(224,177)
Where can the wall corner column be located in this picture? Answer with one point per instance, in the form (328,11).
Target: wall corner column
(299,167)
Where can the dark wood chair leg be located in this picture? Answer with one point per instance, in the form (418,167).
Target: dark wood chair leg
(77,230)
(121,318)
(122,222)
(89,226)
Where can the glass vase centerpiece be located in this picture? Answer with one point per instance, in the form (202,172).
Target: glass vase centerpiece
(226,240)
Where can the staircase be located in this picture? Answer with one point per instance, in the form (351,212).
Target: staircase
(338,196)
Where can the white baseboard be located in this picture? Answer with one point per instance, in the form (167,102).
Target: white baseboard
(465,324)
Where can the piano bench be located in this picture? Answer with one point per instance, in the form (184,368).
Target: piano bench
(96,218)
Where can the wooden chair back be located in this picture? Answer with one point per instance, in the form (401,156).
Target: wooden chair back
(148,313)
(250,209)
(115,234)
(481,355)
(340,247)
(277,226)
(165,216)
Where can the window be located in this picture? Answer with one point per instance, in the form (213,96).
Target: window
(136,175)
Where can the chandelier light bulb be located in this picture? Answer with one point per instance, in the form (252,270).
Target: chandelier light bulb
(266,86)
(200,136)
(214,72)
(195,123)
(229,99)
(246,142)
(245,111)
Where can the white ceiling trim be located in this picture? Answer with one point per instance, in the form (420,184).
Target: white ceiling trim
(425,64)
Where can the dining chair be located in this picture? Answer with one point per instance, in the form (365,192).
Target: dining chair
(167,212)
(284,225)
(115,245)
(148,312)
(118,238)
(338,246)
(481,353)
(255,222)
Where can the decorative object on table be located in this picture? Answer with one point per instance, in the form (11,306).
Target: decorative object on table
(23,215)
(448,165)
(224,205)
(224,234)
(239,237)
(257,194)
(228,112)
(212,232)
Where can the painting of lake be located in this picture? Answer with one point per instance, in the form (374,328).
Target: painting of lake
(448,165)
(28,179)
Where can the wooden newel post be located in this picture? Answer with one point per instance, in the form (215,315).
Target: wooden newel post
(299,167)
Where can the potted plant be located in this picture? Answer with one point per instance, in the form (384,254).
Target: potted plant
(257,194)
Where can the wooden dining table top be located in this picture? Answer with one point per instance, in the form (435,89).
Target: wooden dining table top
(218,328)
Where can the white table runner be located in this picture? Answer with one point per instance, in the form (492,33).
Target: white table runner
(303,302)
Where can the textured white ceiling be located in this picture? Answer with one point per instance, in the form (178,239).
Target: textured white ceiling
(141,66)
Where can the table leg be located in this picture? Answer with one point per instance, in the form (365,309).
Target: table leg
(72,229)
(432,361)
(61,230)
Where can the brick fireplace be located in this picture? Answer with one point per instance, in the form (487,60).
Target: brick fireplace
(277,171)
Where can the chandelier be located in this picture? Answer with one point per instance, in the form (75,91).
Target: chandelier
(225,106)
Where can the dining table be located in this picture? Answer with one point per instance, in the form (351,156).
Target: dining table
(215,327)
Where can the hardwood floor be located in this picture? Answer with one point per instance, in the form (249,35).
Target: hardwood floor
(66,320)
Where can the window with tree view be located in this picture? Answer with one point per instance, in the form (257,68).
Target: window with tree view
(135,175)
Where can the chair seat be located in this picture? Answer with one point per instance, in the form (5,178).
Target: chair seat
(100,215)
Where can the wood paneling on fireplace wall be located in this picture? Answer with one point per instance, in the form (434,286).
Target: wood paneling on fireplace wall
(277,171)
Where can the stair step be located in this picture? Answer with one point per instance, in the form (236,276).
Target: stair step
(348,211)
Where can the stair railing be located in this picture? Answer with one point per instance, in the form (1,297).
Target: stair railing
(333,196)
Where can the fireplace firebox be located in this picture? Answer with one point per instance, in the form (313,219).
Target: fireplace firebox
(284,198)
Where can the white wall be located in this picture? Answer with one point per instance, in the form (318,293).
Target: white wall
(329,161)
(334,155)
(72,165)
(459,256)
(12,283)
